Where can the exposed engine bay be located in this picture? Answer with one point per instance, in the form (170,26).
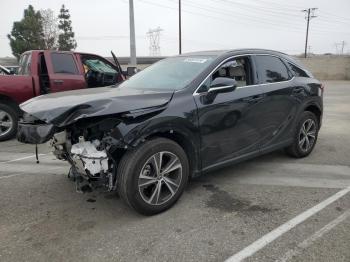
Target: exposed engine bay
(92,156)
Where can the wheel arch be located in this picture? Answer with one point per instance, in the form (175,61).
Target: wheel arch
(9,101)
(316,110)
(185,142)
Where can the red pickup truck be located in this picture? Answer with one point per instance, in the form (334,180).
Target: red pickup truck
(42,72)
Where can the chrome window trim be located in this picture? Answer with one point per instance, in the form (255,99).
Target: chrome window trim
(219,88)
(240,87)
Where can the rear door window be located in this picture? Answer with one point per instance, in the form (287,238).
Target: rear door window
(271,69)
(64,64)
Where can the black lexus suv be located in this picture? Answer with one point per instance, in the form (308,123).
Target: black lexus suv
(180,117)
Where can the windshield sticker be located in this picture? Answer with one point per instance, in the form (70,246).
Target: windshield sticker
(196,60)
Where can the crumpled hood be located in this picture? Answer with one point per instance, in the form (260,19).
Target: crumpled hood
(65,108)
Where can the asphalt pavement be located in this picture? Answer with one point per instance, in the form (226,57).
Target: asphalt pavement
(272,208)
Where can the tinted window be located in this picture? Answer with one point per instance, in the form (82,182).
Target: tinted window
(63,64)
(271,69)
(297,71)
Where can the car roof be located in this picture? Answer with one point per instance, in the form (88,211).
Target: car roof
(59,51)
(234,51)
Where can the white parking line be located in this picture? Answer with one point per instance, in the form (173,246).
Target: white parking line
(309,241)
(22,158)
(279,231)
(3,177)
(26,174)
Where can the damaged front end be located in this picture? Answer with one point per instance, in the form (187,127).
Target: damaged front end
(92,146)
(86,145)
(91,129)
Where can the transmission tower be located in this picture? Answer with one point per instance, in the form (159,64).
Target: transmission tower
(340,47)
(154,39)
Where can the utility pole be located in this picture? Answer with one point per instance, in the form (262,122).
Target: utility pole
(180,37)
(309,15)
(133,61)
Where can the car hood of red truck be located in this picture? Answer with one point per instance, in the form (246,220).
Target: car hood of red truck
(64,108)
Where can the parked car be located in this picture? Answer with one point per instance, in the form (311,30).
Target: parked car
(4,71)
(13,69)
(176,119)
(43,72)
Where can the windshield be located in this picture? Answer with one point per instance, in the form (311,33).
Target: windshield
(169,74)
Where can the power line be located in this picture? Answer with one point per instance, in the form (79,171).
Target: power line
(293,25)
(248,19)
(274,15)
(237,18)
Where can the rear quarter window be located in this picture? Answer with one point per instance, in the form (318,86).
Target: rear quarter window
(63,64)
(271,69)
(298,72)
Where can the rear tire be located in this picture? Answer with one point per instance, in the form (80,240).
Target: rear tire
(8,122)
(144,188)
(305,136)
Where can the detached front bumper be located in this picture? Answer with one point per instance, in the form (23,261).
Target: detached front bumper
(34,133)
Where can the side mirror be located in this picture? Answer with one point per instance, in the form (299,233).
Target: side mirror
(223,84)
(131,70)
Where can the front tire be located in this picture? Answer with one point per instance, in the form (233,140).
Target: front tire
(305,136)
(153,176)
(8,122)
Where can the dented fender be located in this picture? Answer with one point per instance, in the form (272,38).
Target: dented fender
(135,129)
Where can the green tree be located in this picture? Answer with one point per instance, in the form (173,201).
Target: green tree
(27,34)
(66,41)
